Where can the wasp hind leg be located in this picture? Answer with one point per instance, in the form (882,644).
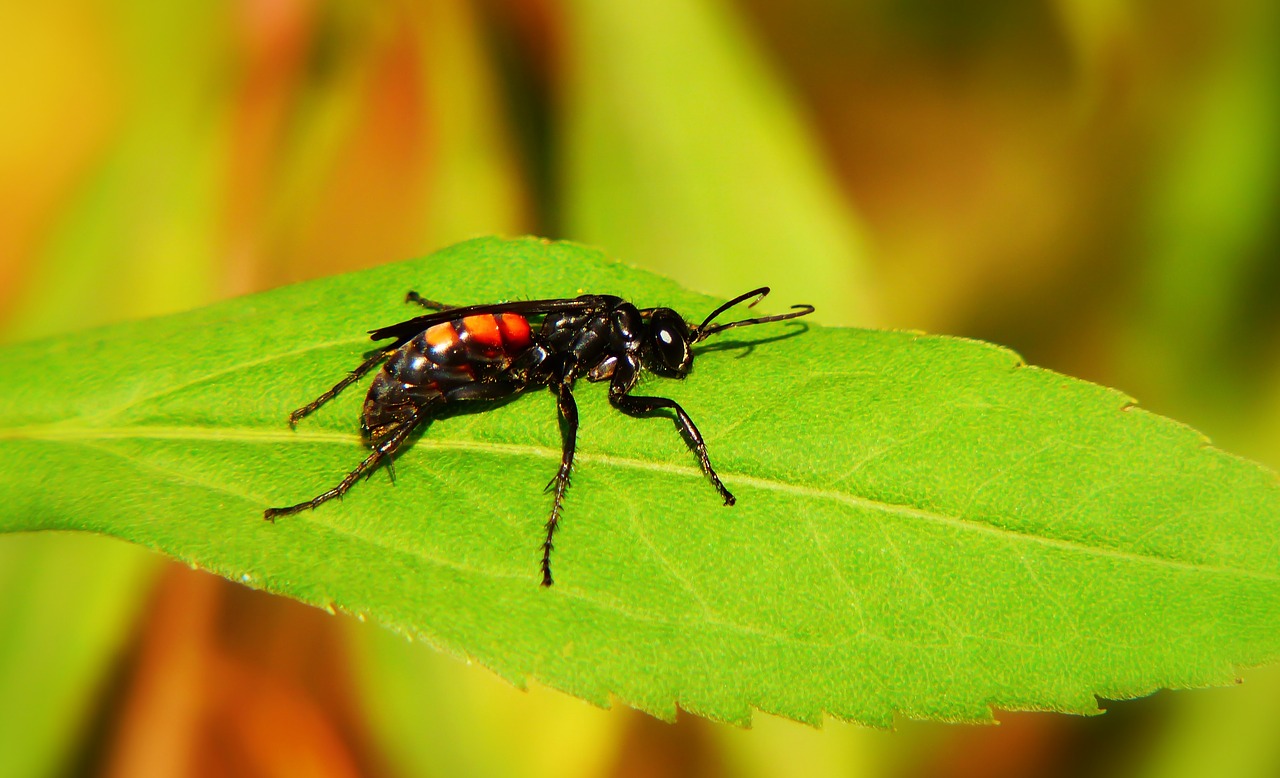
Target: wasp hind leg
(430,305)
(351,378)
(383,449)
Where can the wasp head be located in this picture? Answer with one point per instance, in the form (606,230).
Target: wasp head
(669,339)
(668,344)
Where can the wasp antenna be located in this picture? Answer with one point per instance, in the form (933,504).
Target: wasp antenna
(759,294)
(706,328)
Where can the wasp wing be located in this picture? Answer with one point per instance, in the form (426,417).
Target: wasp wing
(405,331)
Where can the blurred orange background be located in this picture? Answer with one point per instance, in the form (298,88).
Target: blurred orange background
(1095,184)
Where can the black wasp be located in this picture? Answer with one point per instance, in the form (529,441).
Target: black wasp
(489,352)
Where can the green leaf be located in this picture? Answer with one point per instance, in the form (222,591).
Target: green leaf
(924,525)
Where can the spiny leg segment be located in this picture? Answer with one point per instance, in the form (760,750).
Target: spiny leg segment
(348,380)
(568,412)
(384,449)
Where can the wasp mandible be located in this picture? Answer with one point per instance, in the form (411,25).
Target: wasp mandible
(490,352)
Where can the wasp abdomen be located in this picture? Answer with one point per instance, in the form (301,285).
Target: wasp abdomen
(481,339)
(446,356)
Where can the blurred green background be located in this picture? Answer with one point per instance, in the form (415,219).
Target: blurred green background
(1094,183)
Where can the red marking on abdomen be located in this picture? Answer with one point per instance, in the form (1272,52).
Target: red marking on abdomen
(515,332)
(483,329)
(442,337)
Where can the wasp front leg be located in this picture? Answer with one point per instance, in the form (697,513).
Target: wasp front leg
(624,378)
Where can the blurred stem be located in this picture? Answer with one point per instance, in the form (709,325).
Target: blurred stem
(684,151)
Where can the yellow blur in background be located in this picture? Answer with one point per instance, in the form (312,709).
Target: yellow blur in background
(1094,183)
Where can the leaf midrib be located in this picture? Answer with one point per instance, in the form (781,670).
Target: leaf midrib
(711,618)
(62,431)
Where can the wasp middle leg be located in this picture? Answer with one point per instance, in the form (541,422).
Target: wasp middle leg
(569,413)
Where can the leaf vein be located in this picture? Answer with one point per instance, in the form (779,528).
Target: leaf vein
(63,431)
